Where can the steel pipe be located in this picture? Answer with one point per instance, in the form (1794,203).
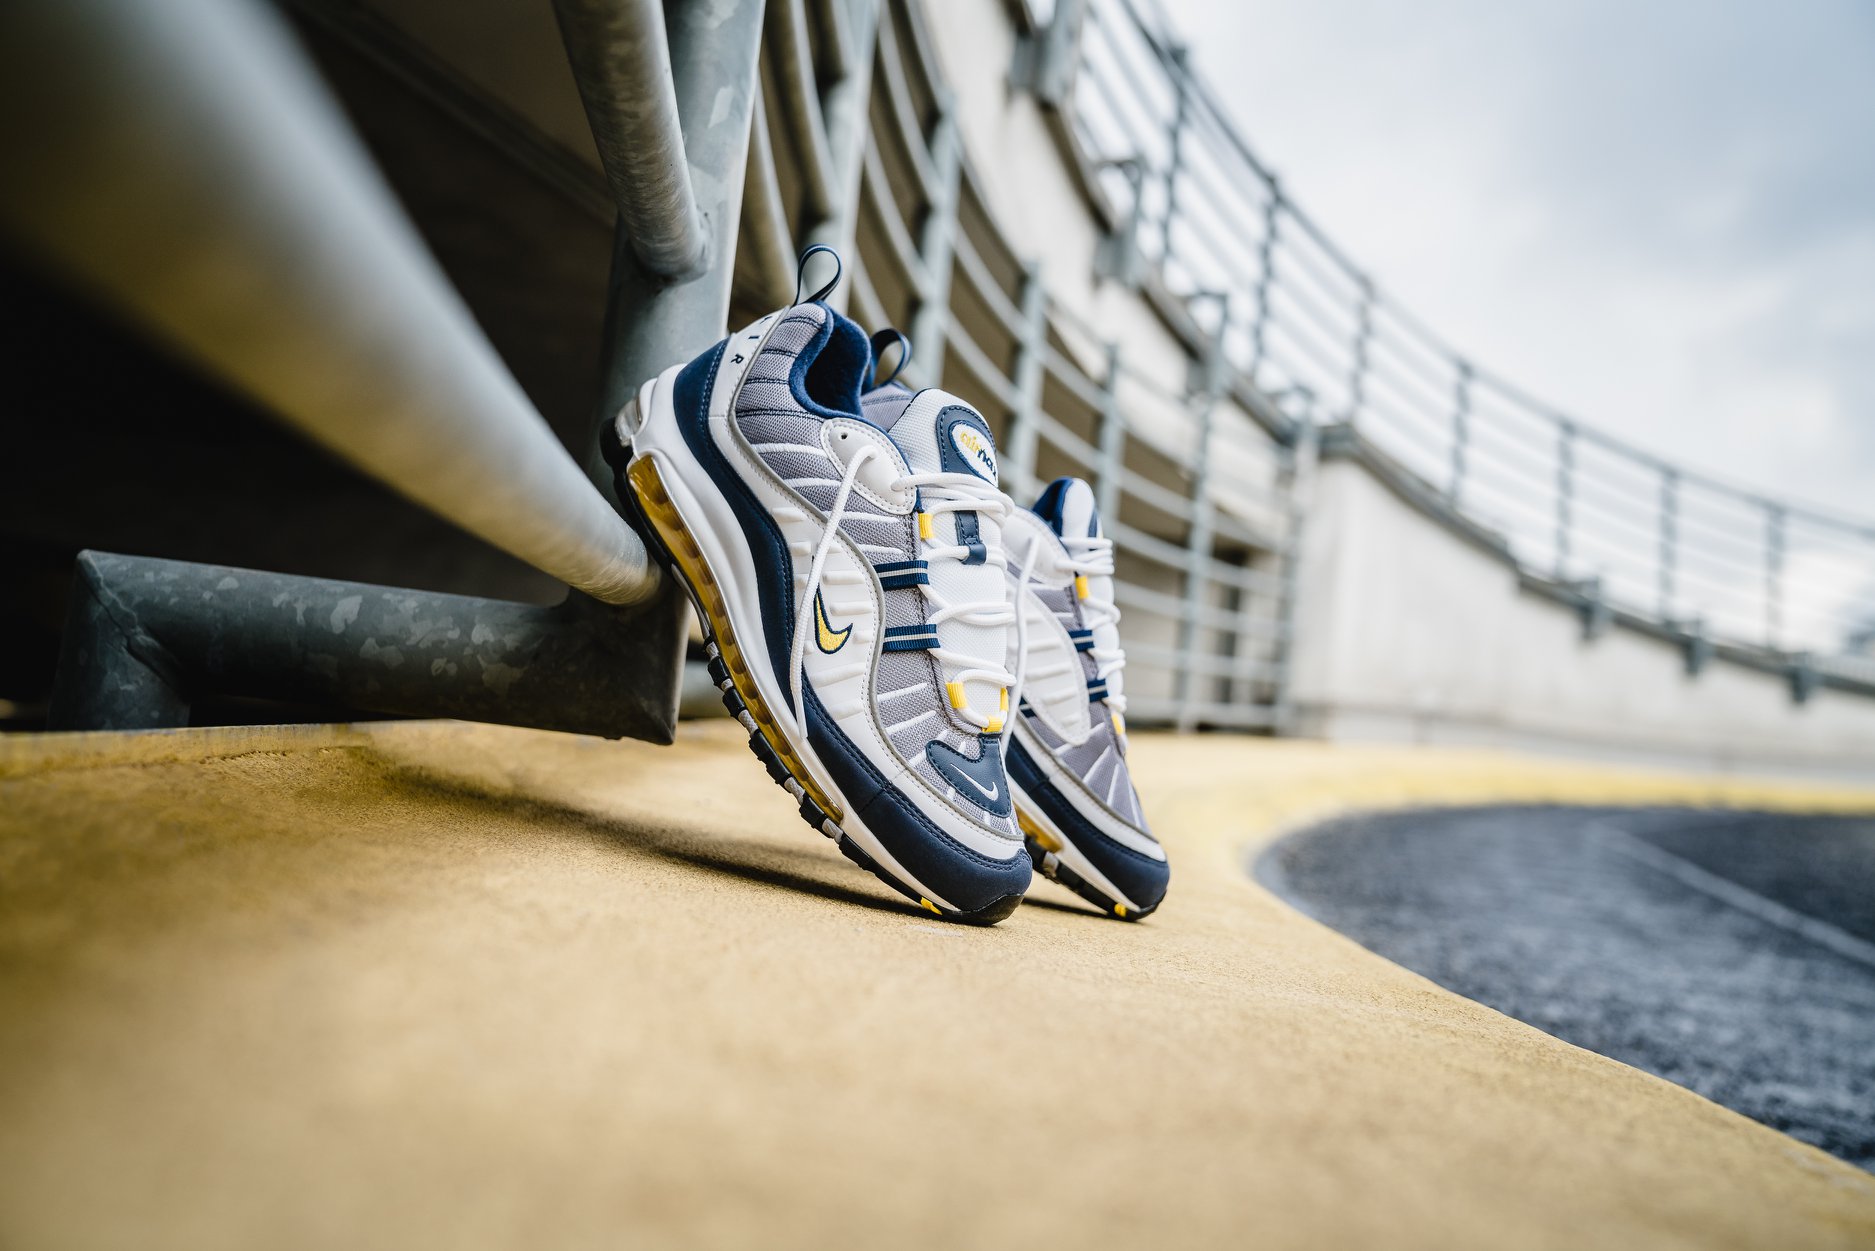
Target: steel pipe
(651,324)
(185,161)
(621,60)
(844,111)
(147,639)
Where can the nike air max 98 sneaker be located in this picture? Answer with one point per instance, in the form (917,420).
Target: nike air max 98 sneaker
(1067,757)
(849,574)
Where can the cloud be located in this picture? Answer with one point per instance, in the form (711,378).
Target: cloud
(1659,218)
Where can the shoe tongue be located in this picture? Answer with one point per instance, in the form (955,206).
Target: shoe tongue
(1069,508)
(939,433)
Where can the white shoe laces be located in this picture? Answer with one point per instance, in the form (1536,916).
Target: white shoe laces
(1093,558)
(1022,630)
(942,493)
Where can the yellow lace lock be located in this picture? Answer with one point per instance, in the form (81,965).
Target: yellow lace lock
(1002,712)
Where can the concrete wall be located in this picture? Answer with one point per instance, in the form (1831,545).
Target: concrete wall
(1408,632)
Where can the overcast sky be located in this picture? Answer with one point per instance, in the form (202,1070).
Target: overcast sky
(1659,216)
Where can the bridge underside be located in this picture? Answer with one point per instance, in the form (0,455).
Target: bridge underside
(424,984)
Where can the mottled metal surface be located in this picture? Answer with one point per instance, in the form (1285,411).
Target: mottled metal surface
(621,60)
(1730,952)
(266,247)
(147,637)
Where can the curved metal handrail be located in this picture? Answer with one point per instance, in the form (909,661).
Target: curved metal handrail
(1355,347)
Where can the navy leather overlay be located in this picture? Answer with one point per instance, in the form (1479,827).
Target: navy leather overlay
(910,638)
(952,460)
(981,780)
(1048,507)
(832,369)
(774,568)
(964,876)
(901,574)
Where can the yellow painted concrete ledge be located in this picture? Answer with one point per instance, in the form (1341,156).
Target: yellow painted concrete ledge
(438,985)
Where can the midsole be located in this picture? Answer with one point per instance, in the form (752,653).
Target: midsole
(1035,824)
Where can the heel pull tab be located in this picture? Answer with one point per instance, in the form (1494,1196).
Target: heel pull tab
(882,342)
(800,273)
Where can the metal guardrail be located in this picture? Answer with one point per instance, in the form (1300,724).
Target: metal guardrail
(190,166)
(1204,571)
(1574,505)
(843,132)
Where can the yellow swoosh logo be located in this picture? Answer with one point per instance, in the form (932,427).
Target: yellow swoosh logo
(827,638)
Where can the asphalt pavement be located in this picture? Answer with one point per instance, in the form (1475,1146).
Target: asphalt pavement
(1730,952)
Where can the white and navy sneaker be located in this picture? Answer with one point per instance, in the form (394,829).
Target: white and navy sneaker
(848,568)
(1067,757)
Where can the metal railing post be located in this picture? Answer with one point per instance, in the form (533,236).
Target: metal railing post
(1118,256)
(147,639)
(1565,493)
(1775,520)
(936,245)
(795,76)
(1176,155)
(1019,460)
(1669,538)
(843,110)
(1299,475)
(1363,337)
(1112,450)
(1266,280)
(1203,525)
(652,322)
(1045,61)
(1461,429)
(621,61)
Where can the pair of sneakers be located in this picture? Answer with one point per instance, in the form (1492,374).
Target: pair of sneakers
(872,601)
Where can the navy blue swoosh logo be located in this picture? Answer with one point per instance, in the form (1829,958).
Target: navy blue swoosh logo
(982,780)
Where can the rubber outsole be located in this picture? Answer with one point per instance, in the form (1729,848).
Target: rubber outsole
(1042,847)
(672,544)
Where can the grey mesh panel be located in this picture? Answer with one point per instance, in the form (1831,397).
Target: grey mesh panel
(790,338)
(1059,600)
(794,468)
(1086,762)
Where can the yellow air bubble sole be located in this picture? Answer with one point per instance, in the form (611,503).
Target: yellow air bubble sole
(669,523)
(1028,826)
